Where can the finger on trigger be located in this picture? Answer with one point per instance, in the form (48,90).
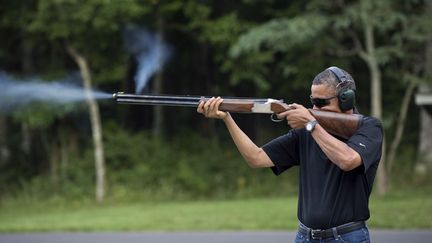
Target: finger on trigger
(281,116)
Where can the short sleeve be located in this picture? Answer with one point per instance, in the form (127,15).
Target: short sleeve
(367,141)
(283,151)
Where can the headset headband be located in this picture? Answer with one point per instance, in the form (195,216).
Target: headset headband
(346,96)
(340,75)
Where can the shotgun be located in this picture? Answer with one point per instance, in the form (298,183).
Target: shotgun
(339,124)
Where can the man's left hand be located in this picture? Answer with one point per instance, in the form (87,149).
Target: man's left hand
(297,116)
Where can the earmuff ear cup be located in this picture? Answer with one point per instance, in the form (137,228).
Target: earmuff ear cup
(346,99)
(346,96)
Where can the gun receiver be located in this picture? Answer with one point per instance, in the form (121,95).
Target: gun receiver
(339,124)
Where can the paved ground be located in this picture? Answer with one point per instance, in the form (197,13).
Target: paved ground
(379,236)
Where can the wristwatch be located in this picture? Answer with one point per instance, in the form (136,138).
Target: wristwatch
(310,126)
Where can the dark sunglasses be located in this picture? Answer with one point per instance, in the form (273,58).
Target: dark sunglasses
(321,102)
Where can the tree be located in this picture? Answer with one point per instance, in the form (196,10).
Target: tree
(424,160)
(368,29)
(390,30)
(83,26)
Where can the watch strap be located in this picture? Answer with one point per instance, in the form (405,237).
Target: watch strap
(313,124)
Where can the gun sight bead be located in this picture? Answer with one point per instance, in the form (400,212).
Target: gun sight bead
(116,94)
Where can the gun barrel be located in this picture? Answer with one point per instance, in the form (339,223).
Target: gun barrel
(170,100)
(122,98)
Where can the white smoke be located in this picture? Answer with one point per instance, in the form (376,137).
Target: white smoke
(16,93)
(150,52)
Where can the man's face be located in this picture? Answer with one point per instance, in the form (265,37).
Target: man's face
(324,98)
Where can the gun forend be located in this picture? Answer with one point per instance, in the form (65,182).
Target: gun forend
(235,104)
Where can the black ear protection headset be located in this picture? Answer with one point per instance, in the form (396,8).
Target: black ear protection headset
(346,96)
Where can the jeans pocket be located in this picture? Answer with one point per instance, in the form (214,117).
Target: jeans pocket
(300,238)
(357,236)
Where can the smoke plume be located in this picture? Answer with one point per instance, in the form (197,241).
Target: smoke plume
(150,53)
(17,93)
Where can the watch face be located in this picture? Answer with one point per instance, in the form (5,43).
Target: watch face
(311,125)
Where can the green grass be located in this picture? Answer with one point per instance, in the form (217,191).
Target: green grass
(246,214)
(402,211)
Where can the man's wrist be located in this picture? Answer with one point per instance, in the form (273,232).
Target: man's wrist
(310,126)
(227,116)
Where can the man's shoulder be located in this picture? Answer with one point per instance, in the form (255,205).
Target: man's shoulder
(370,121)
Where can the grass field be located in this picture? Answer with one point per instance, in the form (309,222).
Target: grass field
(404,212)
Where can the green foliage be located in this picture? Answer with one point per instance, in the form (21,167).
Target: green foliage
(416,28)
(142,168)
(280,35)
(188,166)
(87,25)
(41,115)
(250,70)
(78,19)
(255,50)
(197,13)
(252,48)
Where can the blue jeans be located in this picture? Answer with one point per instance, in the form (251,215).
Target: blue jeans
(358,236)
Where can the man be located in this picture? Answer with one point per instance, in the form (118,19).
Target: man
(336,175)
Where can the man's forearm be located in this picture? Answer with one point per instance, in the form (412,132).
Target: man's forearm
(337,151)
(254,155)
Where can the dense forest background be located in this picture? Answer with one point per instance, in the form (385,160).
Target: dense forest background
(268,49)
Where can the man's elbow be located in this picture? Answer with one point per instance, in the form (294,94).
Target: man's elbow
(253,165)
(253,162)
(257,160)
(350,163)
(347,167)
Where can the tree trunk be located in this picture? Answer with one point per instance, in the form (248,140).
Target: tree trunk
(4,148)
(54,158)
(27,46)
(424,161)
(376,97)
(424,158)
(65,151)
(95,122)
(26,138)
(158,120)
(26,57)
(400,126)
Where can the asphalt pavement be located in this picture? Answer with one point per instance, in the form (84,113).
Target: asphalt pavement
(379,236)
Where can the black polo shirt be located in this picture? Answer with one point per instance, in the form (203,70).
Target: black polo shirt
(329,196)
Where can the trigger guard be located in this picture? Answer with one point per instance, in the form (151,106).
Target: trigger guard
(273,119)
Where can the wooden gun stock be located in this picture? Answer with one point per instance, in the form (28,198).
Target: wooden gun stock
(339,124)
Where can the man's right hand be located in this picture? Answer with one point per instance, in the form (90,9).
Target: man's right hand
(210,108)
